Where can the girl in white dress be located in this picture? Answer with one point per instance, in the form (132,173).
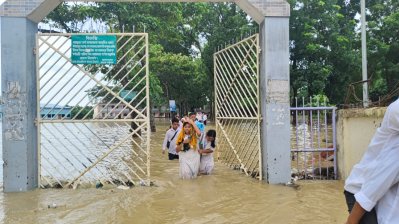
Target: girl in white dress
(207,147)
(186,146)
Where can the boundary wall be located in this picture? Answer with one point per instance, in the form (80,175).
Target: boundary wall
(355,128)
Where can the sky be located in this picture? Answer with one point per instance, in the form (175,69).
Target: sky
(57,84)
(60,83)
(0,51)
(68,84)
(1,2)
(60,80)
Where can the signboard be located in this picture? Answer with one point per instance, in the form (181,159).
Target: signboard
(93,49)
(124,94)
(172,106)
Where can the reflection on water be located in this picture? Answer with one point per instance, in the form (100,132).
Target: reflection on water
(106,150)
(227,196)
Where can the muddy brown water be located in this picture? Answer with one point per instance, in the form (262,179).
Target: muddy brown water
(227,196)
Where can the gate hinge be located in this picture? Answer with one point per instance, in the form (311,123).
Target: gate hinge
(36,122)
(34,51)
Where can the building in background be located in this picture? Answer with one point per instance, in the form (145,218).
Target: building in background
(111,111)
(55,111)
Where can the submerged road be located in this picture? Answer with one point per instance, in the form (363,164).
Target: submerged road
(227,196)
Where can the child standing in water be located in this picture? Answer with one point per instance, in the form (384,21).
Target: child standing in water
(207,147)
(186,142)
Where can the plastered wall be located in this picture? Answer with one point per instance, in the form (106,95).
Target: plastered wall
(355,128)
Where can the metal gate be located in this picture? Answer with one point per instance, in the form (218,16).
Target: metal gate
(93,119)
(313,141)
(237,106)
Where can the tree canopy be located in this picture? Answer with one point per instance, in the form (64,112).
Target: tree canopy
(324,43)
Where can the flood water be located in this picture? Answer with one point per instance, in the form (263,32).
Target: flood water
(227,196)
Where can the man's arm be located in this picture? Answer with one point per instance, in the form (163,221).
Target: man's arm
(356,214)
(165,140)
(195,127)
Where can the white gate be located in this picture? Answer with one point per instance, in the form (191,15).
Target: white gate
(237,106)
(93,119)
(313,140)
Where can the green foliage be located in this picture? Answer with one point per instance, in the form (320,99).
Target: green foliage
(320,100)
(182,36)
(323,57)
(378,89)
(220,24)
(383,47)
(324,44)
(182,79)
(87,110)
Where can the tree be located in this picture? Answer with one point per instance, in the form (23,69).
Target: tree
(322,49)
(383,45)
(85,111)
(220,25)
(182,78)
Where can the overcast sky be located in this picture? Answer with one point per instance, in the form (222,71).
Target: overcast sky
(1,2)
(55,84)
(0,47)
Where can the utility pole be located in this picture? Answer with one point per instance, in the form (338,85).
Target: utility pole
(364,53)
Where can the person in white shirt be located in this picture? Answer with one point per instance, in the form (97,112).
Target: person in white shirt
(169,141)
(205,117)
(372,188)
(180,122)
(207,147)
(199,117)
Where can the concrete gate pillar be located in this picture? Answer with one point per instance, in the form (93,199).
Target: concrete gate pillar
(273,19)
(275,106)
(20,169)
(18,83)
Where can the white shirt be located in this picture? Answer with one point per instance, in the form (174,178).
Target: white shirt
(205,144)
(168,136)
(374,180)
(199,116)
(387,207)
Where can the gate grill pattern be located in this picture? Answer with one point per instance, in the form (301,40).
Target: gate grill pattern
(237,106)
(93,120)
(313,141)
